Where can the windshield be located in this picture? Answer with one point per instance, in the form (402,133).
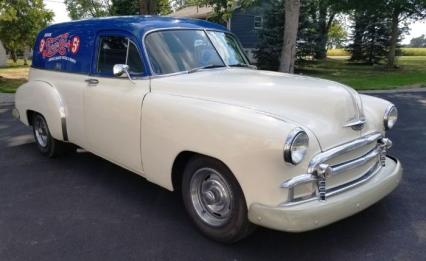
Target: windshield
(228,48)
(173,51)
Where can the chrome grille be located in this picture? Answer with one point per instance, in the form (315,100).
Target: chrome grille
(353,165)
(341,167)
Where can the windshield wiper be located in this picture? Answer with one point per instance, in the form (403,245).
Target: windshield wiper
(210,66)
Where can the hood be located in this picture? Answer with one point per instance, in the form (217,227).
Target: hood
(324,107)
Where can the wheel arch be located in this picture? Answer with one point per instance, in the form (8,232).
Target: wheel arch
(180,162)
(30,116)
(43,98)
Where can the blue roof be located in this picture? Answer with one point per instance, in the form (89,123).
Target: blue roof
(138,24)
(70,46)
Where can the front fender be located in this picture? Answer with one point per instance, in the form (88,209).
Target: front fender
(374,110)
(249,142)
(43,98)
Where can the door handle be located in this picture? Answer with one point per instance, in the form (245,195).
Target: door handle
(92,81)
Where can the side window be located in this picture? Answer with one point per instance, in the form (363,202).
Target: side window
(134,59)
(118,50)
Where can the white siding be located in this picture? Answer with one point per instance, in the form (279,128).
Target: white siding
(3,56)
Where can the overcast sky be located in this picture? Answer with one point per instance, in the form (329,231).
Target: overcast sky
(61,15)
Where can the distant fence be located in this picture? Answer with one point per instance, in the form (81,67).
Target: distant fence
(404,52)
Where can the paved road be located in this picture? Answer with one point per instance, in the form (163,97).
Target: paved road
(82,207)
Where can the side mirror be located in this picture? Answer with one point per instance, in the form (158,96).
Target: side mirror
(119,69)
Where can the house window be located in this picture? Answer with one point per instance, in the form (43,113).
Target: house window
(258,22)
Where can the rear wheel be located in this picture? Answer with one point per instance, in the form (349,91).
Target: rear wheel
(46,144)
(214,200)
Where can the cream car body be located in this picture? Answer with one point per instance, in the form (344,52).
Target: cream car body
(242,117)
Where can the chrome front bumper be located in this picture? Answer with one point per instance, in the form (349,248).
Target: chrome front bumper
(316,213)
(319,171)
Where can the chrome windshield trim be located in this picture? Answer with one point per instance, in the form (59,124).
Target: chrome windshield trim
(145,50)
(215,48)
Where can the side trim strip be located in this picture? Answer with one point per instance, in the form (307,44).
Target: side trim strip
(64,128)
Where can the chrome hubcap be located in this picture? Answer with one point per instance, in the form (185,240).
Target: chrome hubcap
(41,132)
(211,196)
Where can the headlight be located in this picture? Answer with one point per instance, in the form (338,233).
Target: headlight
(296,146)
(391,116)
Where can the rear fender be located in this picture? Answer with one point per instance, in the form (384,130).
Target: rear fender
(43,98)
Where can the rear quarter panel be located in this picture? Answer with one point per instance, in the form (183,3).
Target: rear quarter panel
(41,97)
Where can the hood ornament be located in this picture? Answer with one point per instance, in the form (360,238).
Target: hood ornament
(358,121)
(356,124)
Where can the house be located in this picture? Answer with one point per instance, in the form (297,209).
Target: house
(3,55)
(245,23)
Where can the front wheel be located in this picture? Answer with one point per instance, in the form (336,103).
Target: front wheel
(214,200)
(46,144)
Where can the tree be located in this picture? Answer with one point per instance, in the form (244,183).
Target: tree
(20,21)
(125,7)
(371,32)
(313,33)
(337,35)
(154,7)
(271,37)
(79,9)
(378,26)
(291,24)
(322,14)
(400,11)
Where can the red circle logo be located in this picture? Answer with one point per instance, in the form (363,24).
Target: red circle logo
(75,44)
(41,46)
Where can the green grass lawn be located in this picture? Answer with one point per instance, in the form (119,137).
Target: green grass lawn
(412,73)
(12,76)
(10,85)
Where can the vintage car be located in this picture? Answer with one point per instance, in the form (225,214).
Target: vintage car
(177,102)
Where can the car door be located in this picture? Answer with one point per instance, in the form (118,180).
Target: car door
(113,105)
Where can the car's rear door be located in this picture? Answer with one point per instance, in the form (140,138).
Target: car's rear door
(113,105)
